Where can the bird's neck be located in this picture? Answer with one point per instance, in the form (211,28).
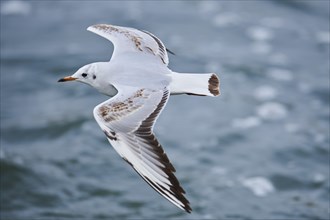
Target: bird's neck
(108,90)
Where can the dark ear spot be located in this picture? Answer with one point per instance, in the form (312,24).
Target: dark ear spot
(94,77)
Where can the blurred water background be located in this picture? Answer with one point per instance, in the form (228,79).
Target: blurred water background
(260,151)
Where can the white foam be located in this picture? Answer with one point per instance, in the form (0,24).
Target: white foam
(280,74)
(264,93)
(272,111)
(225,19)
(15,7)
(319,178)
(260,186)
(207,7)
(245,123)
(323,37)
(259,33)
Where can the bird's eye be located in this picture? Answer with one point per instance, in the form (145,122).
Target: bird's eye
(84,75)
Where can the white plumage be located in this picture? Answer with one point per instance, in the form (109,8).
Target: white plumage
(139,82)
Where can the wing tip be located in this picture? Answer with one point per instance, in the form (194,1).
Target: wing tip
(214,85)
(186,207)
(178,199)
(90,28)
(95,27)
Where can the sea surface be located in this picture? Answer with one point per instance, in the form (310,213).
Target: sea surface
(259,151)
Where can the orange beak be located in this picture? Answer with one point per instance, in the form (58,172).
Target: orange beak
(65,79)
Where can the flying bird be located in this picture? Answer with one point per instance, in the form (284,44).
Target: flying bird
(139,83)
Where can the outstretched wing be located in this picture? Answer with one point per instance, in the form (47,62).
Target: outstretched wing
(127,120)
(127,39)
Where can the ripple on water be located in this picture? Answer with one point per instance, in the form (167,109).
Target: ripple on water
(48,131)
(260,186)
(225,19)
(207,7)
(280,74)
(292,127)
(284,182)
(259,33)
(278,59)
(133,204)
(261,47)
(273,22)
(92,190)
(323,37)
(304,155)
(322,94)
(15,7)
(230,139)
(265,92)
(246,123)
(272,111)
(17,181)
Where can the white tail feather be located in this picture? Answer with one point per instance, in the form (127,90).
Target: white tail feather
(203,84)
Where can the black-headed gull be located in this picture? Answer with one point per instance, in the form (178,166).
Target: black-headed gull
(139,83)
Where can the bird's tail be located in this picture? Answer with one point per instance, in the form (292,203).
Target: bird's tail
(203,84)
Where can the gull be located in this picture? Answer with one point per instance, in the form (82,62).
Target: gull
(138,81)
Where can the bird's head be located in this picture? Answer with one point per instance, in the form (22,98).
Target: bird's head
(95,75)
(86,74)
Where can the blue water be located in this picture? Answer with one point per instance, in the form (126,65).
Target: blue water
(259,151)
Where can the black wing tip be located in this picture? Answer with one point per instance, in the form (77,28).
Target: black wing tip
(187,207)
(188,210)
(178,195)
(171,52)
(186,204)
